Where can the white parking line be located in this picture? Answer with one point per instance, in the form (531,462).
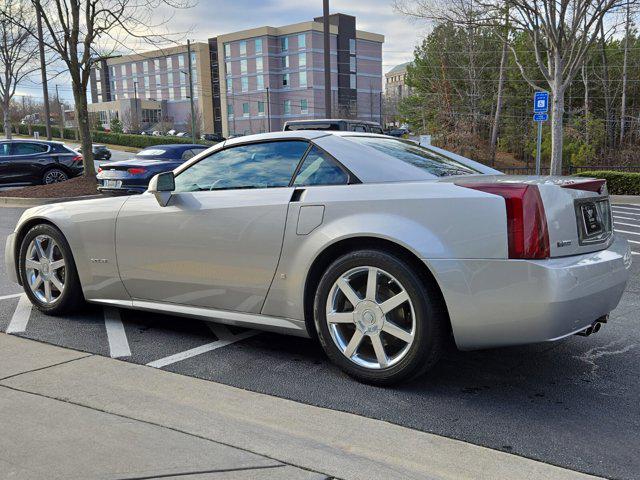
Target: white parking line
(628,218)
(626,224)
(14,295)
(20,318)
(118,343)
(633,241)
(617,207)
(226,338)
(626,231)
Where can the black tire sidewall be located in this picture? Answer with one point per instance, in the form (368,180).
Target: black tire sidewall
(72,296)
(44,175)
(428,341)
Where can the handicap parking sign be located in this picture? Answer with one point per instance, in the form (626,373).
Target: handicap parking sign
(541,102)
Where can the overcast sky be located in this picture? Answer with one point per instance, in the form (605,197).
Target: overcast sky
(210,18)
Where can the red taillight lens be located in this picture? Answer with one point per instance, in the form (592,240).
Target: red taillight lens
(526,221)
(77,159)
(136,171)
(99,169)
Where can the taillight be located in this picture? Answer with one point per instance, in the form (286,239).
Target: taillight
(526,221)
(77,159)
(99,169)
(136,171)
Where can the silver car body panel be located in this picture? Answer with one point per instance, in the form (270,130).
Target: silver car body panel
(242,257)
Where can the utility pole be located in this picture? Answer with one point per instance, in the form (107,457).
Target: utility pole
(61,113)
(193,110)
(43,69)
(135,102)
(327,59)
(268,110)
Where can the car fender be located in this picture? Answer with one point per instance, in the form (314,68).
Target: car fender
(89,228)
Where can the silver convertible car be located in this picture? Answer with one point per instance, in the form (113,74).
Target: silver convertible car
(381,249)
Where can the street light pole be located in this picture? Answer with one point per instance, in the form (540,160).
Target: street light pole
(193,110)
(61,113)
(327,59)
(135,102)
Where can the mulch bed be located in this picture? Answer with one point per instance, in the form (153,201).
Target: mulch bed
(75,187)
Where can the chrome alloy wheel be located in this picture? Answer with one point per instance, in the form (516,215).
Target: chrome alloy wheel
(371,317)
(55,176)
(45,269)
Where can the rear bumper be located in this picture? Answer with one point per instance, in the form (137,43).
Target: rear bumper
(9,258)
(495,303)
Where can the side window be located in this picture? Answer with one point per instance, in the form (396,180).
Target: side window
(187,154)
(4,149)
(28,148)
(258,165)
(359,128)
(320,169)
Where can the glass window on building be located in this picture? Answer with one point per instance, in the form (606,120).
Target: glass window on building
(302,60)
(258,46)
(303,79)
(352,46)
(97,74)
(145,67)
(260,82)
(286,82)
(113,72)
(227,67)
(302,41)
(243,48)
(352,64)
(245,109)
(285,61)
(227,50)
(245,84)
(230,110)
(304,106)
(156,64)
(287,107)
(260,108)
(352,81)
(229,85)
(243,67)
(125,85)
(259,65)
(183,92)
(284,43)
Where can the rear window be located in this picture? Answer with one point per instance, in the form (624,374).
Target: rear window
(418,156)
(152,152)
(312,126)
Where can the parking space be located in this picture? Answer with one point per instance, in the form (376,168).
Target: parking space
(572,403)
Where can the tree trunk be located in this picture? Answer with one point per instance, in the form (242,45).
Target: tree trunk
(606,89)
(7,122)
(557,114)
(82,114)
(585,81)
(496,117)
(623,100)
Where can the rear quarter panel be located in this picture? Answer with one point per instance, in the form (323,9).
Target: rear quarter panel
(432,220)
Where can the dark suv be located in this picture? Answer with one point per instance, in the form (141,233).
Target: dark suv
(34,162)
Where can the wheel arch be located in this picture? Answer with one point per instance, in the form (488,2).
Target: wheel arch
(21,232)
(344,246)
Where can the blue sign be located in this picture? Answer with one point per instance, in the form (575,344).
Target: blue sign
(541,102)
(540,117)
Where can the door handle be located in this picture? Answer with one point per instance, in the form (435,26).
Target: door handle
(297,194)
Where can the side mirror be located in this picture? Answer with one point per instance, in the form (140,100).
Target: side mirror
(161,186)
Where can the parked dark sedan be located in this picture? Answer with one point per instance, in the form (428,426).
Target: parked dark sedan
(133,176)
(34,162)
(100,152)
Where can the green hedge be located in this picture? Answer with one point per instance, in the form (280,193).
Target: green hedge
(69,133)
(139,141)
(618,183)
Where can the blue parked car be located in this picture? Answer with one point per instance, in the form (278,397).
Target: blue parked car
(133,176)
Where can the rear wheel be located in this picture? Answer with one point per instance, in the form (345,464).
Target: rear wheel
(48,272)
(54,175)
(378,319)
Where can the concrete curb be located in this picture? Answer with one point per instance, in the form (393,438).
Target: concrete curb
(33,202)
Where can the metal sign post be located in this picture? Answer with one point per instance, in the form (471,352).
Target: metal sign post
(540,109)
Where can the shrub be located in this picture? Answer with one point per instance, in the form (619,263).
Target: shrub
(618,183)
(139,141)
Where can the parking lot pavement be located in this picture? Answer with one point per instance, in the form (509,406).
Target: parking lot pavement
(571,403)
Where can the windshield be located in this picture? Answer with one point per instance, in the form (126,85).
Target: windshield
(418,156)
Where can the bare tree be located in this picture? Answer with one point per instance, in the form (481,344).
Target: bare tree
(81,31)
(561,33)
(499,95)
(623,100)
(18,52)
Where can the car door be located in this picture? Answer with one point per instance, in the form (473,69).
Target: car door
(25,162)
(4,162)
(217,242)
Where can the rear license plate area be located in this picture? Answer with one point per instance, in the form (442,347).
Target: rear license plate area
(112,183)
(594,220)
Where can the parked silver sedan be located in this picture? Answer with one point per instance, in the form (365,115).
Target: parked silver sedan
(380,248)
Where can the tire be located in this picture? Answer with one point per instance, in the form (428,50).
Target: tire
(407,353)
(54,175)
(50,300)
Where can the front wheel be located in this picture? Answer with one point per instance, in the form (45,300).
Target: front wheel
(48,271)
(378,319)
